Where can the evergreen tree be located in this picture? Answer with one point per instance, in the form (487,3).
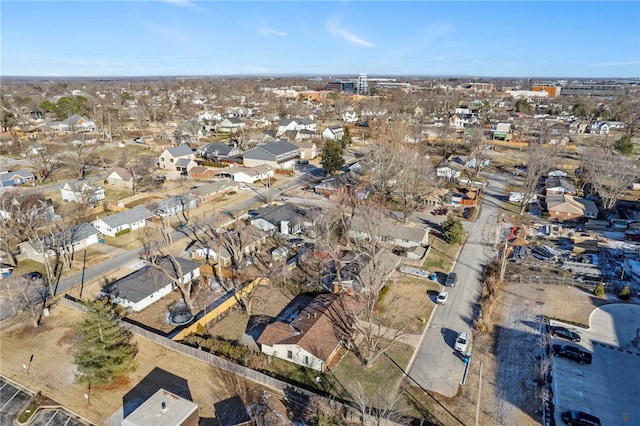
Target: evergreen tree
(346,138)
(453,230)
(332,159)
(104,350)
(624,145)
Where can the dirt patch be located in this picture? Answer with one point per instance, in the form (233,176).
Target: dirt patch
(52,370)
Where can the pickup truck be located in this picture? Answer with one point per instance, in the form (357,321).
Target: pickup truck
(572,352)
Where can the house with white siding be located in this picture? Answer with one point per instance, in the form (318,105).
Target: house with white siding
(147,285)
(312,331)
(81,191)
(123,222)
(176,157)
(72,239)
(278,155)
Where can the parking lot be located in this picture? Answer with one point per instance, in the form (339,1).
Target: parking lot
(54,418)
(12,400)
(609,388)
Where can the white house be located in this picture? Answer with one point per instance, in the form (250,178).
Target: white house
(249,174)
(278,155)
(81,191)
(170,159)
(230,125)
(335,132)
(118,176)
(311,336)
(147,285)
(75,123)
(174,205)
(72,239)
(349,116)
(449,170)
(296,124)
(123,222)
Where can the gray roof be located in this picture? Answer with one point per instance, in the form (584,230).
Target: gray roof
(289,212)
(177,201)
(147,280)
(128,216)
(217,148)
(272,150)
(71,236)
(559,181)
(183,162)
(180,151)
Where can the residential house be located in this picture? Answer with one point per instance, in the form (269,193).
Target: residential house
(312,332)
(599,128)
(219,151)
(559,185)
(296,124)
(72,239)
(283,219)
(349,116)
(449,169)
(175,205)
(81,191)
(557,173)
(123,222)
(502,131)
(278,155)
(149,284)
(342,183)
(247,241)
(239,112)
(121,177)
(203,173)
(74,123)
(230,125)
(567,207)
(389,233)
(363,273)
(19,177)
(26,206)
(334,133)
(307,150)
(249,174)
(175,158)
(213,189)
(164,408)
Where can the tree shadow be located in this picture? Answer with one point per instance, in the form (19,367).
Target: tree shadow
(230,412)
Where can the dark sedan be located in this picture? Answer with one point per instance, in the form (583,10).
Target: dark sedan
(565,333)
(573,353)
(578,418)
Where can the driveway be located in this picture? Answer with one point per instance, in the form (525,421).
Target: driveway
(609,388)
(436,366)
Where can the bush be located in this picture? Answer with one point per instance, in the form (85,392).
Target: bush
(599,290)
(453,230)
(625,293)
(124,231)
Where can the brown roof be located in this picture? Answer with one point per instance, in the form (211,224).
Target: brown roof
(123,173)
(318,328)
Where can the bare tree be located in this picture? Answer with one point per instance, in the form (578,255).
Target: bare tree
(43,162)
(609,175)
(538,161)
(170,267)
(415,180)
(378,407)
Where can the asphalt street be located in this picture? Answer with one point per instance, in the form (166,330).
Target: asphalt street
(436,366)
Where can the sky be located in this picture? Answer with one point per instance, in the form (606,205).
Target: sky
(579,39)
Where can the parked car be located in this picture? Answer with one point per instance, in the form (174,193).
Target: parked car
(578,418)
(33,276)
(451,280)
(572,352)
(461,342)
(442,298)
(296,242)
(565,333)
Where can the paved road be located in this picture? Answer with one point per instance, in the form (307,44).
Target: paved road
(436,366)
(131,259)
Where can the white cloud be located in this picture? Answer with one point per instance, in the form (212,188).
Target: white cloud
(334,29)
(183,3)
(265,30)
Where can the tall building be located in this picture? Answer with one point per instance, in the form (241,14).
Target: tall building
(362,87)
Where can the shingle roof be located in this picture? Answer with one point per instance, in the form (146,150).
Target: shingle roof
(180,150)
(217,148)
(145,281)
(183,162)
(272,150)
(124,174)
(128,216)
